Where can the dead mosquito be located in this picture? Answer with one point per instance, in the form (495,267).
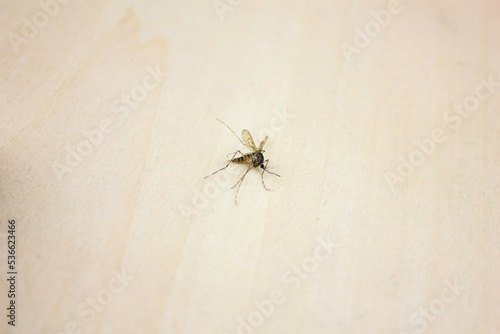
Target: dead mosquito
(254,159)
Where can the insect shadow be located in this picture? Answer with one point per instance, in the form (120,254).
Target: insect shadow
(253,159)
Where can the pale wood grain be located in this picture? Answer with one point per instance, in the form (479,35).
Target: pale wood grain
(129,204)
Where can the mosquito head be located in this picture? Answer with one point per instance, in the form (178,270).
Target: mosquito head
(262,166)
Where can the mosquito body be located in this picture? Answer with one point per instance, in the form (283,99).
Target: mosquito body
(253,159)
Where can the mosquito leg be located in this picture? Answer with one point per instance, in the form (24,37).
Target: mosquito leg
(240,181)
(265,170)
(262,175)
(234,154)
(224,166)
(271,172)
(241,178)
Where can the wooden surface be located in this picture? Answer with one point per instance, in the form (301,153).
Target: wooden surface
(411,250)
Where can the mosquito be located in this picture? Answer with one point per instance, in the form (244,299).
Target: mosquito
(254,159)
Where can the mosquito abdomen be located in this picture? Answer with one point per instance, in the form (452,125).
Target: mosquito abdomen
(247,158)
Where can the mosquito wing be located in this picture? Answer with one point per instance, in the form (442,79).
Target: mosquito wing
(248,140)
(262,143)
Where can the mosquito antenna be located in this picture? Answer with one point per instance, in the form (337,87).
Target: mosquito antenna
(231,131)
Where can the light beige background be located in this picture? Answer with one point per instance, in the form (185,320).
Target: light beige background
(138,202)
